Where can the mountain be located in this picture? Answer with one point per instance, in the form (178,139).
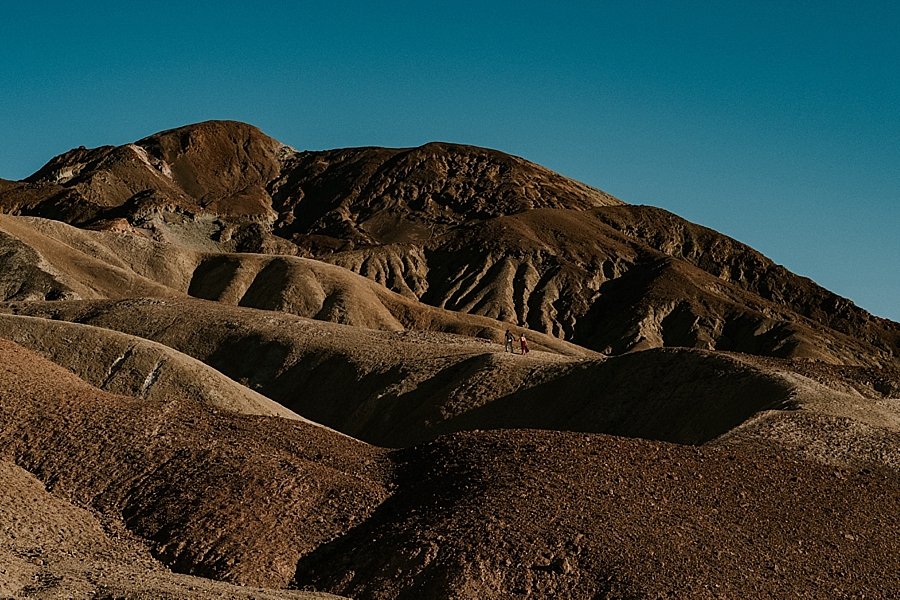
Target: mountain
(229,368)
(462,228)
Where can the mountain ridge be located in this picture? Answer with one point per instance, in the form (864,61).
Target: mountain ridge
(462,228)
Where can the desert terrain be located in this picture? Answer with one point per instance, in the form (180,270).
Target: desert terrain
(235,369)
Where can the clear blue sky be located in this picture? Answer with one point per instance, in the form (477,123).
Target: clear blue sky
(775,122)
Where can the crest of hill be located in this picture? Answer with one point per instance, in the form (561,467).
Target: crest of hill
(234,171)
(379,195)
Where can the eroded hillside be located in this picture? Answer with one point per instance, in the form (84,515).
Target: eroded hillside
(471,230)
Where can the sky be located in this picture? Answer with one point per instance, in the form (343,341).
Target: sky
(776,122)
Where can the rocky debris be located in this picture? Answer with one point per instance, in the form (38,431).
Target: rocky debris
(531,514)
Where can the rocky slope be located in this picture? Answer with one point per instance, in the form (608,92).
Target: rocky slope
(463,228)
(50,548)
(504,514)
(622,278)
(50,260)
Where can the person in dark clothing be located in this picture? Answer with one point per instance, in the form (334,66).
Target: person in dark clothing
(509,342)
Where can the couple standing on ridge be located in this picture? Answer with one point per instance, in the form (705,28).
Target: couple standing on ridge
(509,343)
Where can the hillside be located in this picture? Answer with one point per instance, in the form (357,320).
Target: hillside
(484,514)
(472,230)
(229,368)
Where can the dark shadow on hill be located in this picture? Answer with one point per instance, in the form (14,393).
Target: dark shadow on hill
(674,395)
(435,539)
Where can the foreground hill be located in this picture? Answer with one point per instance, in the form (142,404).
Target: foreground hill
(190,480)
(399,388)
(266,501)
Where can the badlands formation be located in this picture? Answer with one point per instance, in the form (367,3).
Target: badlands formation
(232,369)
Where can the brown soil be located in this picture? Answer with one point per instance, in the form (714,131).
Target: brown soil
(50,548)
(476,515)
(211,492)
(561,515)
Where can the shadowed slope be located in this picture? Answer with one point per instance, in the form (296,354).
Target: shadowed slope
(398,388)
(387,387)
(53,549)
(217,494)
(516,514)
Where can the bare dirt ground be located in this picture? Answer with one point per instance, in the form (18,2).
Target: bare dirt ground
(502,514)
(524,514)
(50,548)
(207,489)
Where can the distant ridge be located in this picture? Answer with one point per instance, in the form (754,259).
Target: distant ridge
(463,228)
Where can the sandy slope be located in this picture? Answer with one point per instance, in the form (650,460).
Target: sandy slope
(504,514)
(50,548)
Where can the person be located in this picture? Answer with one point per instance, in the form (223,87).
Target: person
(509,342)
(524,343)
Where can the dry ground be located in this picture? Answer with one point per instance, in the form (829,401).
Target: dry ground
(502,514)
